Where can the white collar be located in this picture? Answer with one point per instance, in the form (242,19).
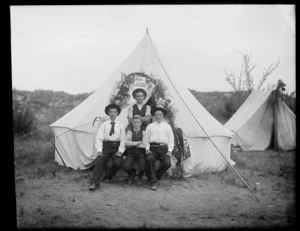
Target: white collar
(159,123)
(136,130)
(109,120)
(141,105)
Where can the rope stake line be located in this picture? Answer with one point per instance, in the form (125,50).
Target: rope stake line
(70,129)
(30,133)
(201,126)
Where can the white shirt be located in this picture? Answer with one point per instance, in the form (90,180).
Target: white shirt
(140,106)
(160,133)
(103,135)
(129,142)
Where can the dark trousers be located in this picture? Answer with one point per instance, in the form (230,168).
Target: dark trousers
(109,152)
(134,154)
(157,153)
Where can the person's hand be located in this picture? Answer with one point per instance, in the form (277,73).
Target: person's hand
(119,154)
(129,120)
(137,143)
(99,154)
(169,154)
(141,145)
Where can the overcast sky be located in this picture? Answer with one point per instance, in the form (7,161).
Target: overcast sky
(76,48)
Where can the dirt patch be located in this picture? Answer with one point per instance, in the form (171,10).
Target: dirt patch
(64,201)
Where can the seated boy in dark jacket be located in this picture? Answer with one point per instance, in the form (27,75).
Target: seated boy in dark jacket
(135,150)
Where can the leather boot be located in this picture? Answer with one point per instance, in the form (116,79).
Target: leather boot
(130,178)
(139,180)
(93,187)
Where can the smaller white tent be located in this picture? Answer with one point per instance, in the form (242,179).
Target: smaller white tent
(261,118)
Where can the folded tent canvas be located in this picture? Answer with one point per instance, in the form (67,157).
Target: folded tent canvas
(261,121)
(75,132)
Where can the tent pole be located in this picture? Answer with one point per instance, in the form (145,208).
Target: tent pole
(58,153)
(203,129)
(275,119)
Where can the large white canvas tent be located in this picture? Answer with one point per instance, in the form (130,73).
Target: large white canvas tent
(263,120)
(75,132)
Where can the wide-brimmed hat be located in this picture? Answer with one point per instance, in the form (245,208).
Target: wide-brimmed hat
(164,111)
(115,106)
(139,90)
(137,117)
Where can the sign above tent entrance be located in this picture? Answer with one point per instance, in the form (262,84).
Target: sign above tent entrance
(140,81)
(122,94)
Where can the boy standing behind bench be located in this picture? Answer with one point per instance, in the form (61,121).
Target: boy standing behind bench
(139,108)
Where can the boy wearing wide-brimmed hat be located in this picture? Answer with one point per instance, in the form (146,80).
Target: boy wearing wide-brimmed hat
(159,142)
(140,108)
(110,144)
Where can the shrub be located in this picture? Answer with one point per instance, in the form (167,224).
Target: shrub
(228,108)
(290,102)
(24,120)
(232,103)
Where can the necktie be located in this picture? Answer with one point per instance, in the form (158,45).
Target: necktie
(112,130)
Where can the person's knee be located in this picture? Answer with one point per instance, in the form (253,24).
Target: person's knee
(98,160)
(118,162)
(150,158)
(126,165)
(142,167)
(166,163)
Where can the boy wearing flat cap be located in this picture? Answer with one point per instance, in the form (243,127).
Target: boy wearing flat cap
(135,150)
(159,141)
(140,108)
(110,144)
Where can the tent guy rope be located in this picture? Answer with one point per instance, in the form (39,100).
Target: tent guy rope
(30,133)
(200,124)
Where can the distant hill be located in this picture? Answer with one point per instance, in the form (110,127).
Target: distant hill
(42,101)
(48,106)
(214,103)
(48,98)
(209,98)
(59,103)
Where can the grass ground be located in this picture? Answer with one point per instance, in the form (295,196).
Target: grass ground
(52,196)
